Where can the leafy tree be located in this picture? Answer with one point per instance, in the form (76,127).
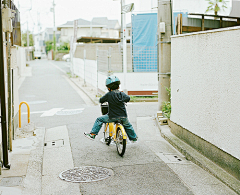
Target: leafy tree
(24,39)
(64,46)
(216,5)
(49,45)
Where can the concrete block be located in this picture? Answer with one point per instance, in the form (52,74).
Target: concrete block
(159,114)
(163,121)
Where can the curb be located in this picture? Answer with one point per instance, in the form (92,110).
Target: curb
(32,183)
(93,101)
(200,160)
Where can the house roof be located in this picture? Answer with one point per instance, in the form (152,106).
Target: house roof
(104,20)
(129,25)
(96,22)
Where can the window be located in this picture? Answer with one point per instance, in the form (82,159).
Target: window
(129,33)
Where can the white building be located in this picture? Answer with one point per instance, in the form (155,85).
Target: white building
(97,27)
(41,38)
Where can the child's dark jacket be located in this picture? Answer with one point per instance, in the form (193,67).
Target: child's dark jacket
(116,103)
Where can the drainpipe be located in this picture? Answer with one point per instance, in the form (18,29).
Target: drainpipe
(3,100)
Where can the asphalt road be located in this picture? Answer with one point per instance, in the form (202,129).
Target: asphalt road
(54,102)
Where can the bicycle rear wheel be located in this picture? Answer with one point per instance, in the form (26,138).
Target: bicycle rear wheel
(107,137)
(120,142)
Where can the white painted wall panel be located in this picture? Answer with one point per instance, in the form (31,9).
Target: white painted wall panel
(205,84)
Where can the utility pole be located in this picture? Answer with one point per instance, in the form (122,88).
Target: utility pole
(124,9)
(3,98)
(54,32)
(39,29)
(8,29)
(27,42)
(124,45)
(164,49)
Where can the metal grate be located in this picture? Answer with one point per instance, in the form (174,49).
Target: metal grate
(55,143)
(145,58)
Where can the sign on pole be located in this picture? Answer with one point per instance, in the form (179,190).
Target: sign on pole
(127,8)
(73,45)
(75,26)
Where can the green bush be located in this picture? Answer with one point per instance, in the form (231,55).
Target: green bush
(63,51)
(166,106)
(166,109)
(64,46)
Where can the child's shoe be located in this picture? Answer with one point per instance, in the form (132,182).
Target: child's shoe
(134,140)
(90,136)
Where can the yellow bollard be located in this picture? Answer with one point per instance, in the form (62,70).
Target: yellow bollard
(20,113)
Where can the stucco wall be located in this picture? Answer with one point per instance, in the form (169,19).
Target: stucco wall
(205,80)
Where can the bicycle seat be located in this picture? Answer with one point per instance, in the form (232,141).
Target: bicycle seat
(119,120)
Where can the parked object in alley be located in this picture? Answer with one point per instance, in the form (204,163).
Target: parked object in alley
(37,55)
(66,57)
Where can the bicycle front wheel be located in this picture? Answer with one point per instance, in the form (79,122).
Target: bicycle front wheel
(120,142)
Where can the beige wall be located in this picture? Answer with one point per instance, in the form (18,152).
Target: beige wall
(116,56)
(205,72)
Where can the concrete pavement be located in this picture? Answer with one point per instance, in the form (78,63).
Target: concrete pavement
(36,162)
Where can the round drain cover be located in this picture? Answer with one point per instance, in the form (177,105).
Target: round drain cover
(86,174)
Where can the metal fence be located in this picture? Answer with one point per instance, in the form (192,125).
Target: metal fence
(103,62)
(110,61)
(141,59)
(144,59)
(91,60)
(93,63)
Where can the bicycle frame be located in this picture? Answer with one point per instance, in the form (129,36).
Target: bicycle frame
(113,130)
(116,132)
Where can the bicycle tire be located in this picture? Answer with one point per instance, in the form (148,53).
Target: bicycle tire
(120,142)
(107,137)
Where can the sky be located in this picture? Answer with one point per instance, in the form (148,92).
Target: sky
(69,10)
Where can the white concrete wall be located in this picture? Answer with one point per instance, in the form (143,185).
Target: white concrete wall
(205,80)
(20,71)
(21,60)
(140,81)
(135,81)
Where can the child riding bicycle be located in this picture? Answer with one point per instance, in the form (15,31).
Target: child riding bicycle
(117,110)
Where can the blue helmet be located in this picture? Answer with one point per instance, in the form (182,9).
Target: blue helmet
(112,80)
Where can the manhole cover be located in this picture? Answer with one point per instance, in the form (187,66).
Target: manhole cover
(70,111)
(86,174)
